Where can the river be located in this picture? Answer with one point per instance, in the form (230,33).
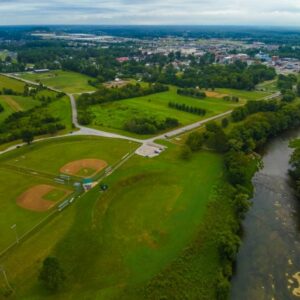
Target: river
(269,259)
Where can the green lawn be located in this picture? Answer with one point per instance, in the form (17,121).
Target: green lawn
(13,84)
(123,237)
(113,116)
(55,195)
(68,82)
(247,95)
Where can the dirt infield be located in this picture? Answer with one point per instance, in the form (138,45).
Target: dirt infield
(33,200)
(84,167)
(215,94)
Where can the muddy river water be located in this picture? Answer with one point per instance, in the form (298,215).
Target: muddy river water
(268,263)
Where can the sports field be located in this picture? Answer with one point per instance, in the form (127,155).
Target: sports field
(68,82)
(28,191)
(50,156)
(113,116)
(12,185)
(122,238)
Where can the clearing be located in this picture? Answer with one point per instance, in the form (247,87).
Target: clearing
(68,82)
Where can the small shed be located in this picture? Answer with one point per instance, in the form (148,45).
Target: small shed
(87,184)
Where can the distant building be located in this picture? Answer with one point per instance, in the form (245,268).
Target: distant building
(122,59)
(41,71)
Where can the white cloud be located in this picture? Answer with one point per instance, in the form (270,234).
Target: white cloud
(245,12)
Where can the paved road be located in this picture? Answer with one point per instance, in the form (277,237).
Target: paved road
(90,131)
(187,128)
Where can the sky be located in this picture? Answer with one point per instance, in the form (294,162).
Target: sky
(151,12)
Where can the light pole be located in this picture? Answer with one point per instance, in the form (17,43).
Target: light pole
(14,227)
(5,277)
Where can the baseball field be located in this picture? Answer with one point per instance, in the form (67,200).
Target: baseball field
(29,191)
(116,240)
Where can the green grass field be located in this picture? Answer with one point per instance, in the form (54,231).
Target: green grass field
(13,104)
(59,108)
(55,195)
(13,84)
(246,95)
(113,116)
(68,82)
(268,86)
(52,155)
(122,238)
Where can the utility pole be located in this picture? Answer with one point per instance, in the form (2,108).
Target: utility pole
(5,277)
(14,227)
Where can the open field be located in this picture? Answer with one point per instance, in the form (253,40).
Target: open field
(68,82)
(245,95)
(268,86)
(113,116)
(13,104)
(9,83)
(123,237)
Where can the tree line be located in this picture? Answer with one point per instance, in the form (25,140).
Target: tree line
(187,108)
(294,170)
(150,125)
(195,93)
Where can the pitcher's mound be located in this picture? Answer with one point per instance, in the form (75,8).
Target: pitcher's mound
(84,168)
(35,198)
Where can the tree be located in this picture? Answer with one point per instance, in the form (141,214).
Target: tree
(225,122)
(229,244)
(222,288)
(27,136)
(51,274)
(195,141)
(298,89)
(186,152)
(1,108)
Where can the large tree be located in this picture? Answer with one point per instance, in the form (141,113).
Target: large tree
(52,275)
